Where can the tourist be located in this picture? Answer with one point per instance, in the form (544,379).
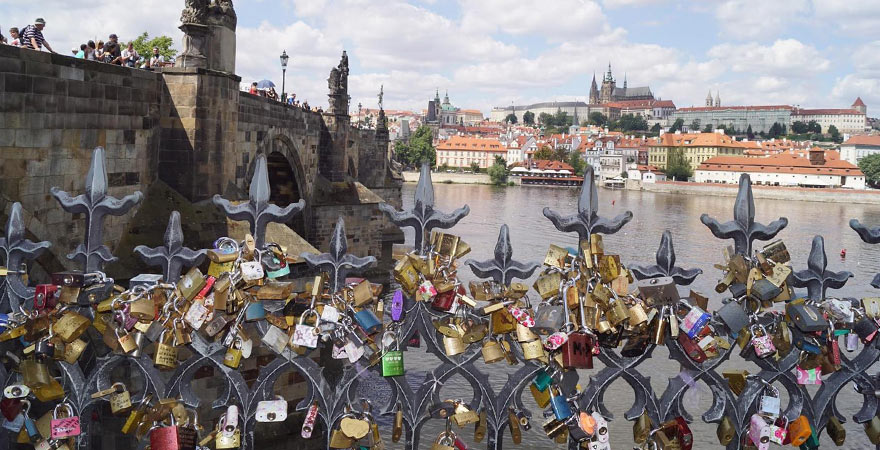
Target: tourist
(81,53)
(90,51)
(271,95)
(112,54)
(130,55)
(32,36)
(113,39)
(14,37)
(156,60)
(99,51)
(253,89)
(2,38)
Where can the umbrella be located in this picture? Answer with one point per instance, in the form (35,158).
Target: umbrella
(265,84)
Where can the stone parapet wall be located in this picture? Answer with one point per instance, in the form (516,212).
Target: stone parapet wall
(54,110)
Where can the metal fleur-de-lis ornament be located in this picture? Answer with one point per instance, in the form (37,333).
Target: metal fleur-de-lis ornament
(743,229)
(587,220)
(95,204)
(870,236)
(816,278)
(665,266)
(173,256)
(15,250)
(503,269)
(337,261)
(258,212)
(423,217)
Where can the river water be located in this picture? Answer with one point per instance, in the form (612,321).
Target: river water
(531,233)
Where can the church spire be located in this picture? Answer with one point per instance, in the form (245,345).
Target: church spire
(608,76)
(709,98)
(718,99)
(594,91)
(624,80)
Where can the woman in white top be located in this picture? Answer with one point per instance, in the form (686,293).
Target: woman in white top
(130,55)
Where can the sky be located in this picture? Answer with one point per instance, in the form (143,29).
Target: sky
(485,53)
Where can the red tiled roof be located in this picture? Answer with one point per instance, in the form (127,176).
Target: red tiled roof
(780,163)
(863,139)
(623,104)
(827,111)
(545,164)
(858,102)
(699,140)
(470,144)
(722,108)
(646,168)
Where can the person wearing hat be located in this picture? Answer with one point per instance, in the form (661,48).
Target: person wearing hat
(32,36)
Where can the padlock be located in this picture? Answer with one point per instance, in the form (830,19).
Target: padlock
(533,350)
(762,341)
(165,357)
(339,440)
(275,339)
(446,441)
(70,326)
(480,427)
(872,429)
(799,430)
(492,351)
(548,319)
(392,360)
(642,428)
(272,410)
(694,321)
(658,327)
(759,432)
(454,345)
(559,404)
(725,431)
(836,431)
(120,399)
(734,317)
(577,352)
(690,347)
(45,296)
(16,391)
(808,376)
(64,424)
(306,335)
(464,416)
(779,431)
(190,284)
(126,341)
(367,320)
(309,421)
(15,424)
(73,350)
(232,358)
(35,374)
(134,417)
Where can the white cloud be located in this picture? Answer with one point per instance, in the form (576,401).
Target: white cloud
(558,19)
(857,17)
(625,3)
(788,57)
(864,81)
(749,19)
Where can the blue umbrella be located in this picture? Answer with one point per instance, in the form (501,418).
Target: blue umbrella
(265,84)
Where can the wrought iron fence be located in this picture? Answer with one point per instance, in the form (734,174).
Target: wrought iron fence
(92,374)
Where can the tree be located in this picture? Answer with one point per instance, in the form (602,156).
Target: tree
(656,128)
(695,125)
(475,167)
(708,128)
(545,119)
(776,130)
(677,125)
(543,153)
(630,122)
(799,127)
(598,119)
(420,147)
(577,163)
(529,118)
(511,118)
(835,134)
(677,165)
(870,166)
(144,46)
(749,133)
(498,171)
(814,127)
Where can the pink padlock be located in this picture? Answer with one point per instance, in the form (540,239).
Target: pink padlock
(556,340)
(759,432)
(811,376)
(62,427)
(521,316)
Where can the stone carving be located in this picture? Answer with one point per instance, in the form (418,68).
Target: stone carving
(337,83)
(195,12)
(222,12)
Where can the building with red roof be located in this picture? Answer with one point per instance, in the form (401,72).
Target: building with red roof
(817,169)
(858,147)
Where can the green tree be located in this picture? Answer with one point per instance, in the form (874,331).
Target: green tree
(656,128)
(144,46)
(577,163)
(498,172)
(814,127)
(420,147)
(870,166)
(776,130)
(799,127)
(677,165)
(695,125)
(598,119)
(630,122)
(835,134)
(475,167)
(677,125)
(749,133)
(511,118)
(529,118)
(543,153)
(707,128)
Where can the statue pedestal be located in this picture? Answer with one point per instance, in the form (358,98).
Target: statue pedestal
(194,39)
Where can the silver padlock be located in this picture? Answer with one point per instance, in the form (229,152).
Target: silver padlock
(272,410)
(275,339)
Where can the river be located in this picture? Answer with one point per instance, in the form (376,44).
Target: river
(531,233)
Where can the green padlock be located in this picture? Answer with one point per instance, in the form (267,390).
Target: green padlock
(812,442)
(543,380)
(392,360)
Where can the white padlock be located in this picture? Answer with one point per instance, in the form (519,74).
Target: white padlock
(196,315)
(272,410)
(251,270)
(330,314)
(275,339)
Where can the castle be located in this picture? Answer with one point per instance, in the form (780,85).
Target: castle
(611,93)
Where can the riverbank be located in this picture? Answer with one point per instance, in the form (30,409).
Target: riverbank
(451,178)
(761,192)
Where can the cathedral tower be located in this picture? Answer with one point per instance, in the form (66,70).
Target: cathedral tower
(709,98)
(594,91)
(608,85)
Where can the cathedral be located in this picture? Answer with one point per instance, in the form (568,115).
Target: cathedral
(611,93)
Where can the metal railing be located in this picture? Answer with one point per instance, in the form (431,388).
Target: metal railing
(84,378)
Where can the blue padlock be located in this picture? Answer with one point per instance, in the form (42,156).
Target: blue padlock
(282,271)
(559,404)
(15,424)
(255,311)
(4,322)
(29,425)
(368,321)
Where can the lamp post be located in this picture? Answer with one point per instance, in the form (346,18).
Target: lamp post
(359,114)
(284,58)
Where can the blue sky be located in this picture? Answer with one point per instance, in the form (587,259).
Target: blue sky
(813,53)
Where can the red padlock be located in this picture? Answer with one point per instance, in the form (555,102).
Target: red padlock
(45,296)
(443,301)
(11,408)
(691,348)
(577,352)
(685,437)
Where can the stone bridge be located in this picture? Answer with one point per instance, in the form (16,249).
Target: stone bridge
(181,135)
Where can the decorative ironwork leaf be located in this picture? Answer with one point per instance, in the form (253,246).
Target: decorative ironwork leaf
(665,266)
(743,229)
(870,236)
(816,278)
(258,212)
(503,269)
(338,262)
(423,217)
(95,204)
(15,250)
(587,220)
(173,256)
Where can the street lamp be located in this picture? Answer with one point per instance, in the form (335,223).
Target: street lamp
(359,114)
(284,58)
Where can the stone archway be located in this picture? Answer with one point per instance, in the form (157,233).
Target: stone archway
(287,179)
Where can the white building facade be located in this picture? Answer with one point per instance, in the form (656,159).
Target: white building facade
(858,147)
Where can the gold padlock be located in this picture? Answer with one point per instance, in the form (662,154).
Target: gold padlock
(642,428)
(725,431)
(548,285)
(49,392)
(34,373)
(191,283)
(533,349)
(616,313)
(503,322)
(232,358)
(453,345)
(736,379)
(637,314)
(481,427)
(492,351)
(542,398)
(126,341)
(836,431)
(872,429)
(165,357)
(397,428)
(73,350)
(70,326)
(609,267)
(223,441)
(143,309)
(524,333)
(135,416)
